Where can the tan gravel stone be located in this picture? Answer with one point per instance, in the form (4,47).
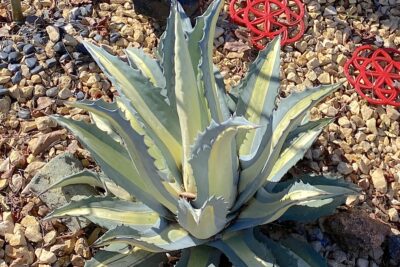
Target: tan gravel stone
(379,181)
(17,238)
(324,78)
(45,123)
(21,252)
(54,33)
(344,122)
(393,215)
(50,238)
(45,256)
(371,125)
(82,248)
(17,159)
(27,126)
(366,112)
(32,228)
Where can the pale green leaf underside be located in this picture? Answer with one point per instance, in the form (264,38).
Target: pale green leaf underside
(166,238)
(110,212)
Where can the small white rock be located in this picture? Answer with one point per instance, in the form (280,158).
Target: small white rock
(393,215)
(344,122)
(366,112)
(54,33)
(354,107)
(379,181)
(45,256)
(371,125)
(324,78)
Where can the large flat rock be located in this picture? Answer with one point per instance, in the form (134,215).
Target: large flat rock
(59,167)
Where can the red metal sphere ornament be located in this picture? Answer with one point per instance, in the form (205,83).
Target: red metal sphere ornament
(267,19)
(375,74)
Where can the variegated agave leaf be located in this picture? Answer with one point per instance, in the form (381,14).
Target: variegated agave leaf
(191,167)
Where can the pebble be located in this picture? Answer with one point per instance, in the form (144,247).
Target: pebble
(50,238)
(5,104)
(14,67)
(14,57)
(52,92)
(17,77)
(32,229)
(59,47)
(45,123)
(17,159)
(8,49)
(344,122)
(3,56)
(4,79)
(28,49)
(371,125)
(24,113)
(31,62)
(27,126)
(37,69)
(344,168)
(3,91)
(362,262)
(45,256)
(70,40)
(64,93)
(379,181)
(54,33)
(366,112)
(393,215)
(392,113)
(324,78)
(114,37)
(51,62)
(80,95)
(81,248)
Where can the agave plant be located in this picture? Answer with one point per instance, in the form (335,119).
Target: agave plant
(188,167)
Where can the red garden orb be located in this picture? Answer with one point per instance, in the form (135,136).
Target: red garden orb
(267,19)
(375,74)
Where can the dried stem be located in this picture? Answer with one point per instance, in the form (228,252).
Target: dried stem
(17,11)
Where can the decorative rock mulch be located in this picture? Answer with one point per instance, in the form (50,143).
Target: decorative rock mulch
(43,63)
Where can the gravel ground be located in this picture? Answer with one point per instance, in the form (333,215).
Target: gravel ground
(42,63)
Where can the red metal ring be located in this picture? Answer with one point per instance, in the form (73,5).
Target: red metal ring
(375,74)
(267,19)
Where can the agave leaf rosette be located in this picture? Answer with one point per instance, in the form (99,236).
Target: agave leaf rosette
(187,166)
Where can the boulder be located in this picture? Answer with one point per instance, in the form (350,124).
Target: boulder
(63,165)
(356,231)
(159,9)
